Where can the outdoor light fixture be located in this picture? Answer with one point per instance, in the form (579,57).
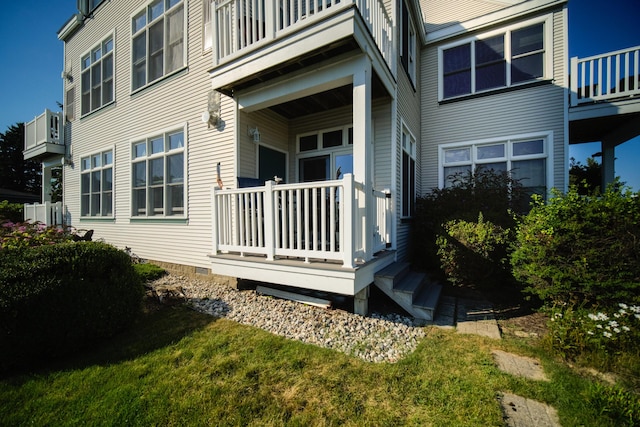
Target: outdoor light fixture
(255,133)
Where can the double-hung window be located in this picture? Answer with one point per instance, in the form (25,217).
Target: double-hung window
(494,60)
(157,41)
(97,76)
(408,44)
(408,173)
(158,175)
(524,157)
(96,185)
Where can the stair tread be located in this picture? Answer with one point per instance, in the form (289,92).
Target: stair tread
(429,296)
(410,283)
(393,269)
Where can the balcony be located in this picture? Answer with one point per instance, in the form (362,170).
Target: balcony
(43,136)
(287,228)
(47,213)
(268,38)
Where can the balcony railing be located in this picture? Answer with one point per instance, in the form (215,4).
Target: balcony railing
(605,77)
(44,129)
(47,213)
(319,220)
(242,24)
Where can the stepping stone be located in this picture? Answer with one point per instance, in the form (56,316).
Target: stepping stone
(477,317)
(521,412)
(521,366)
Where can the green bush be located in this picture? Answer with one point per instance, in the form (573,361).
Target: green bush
(13,212)
(474,253)
(23,235)
(493,194)
(148,272)
(55,299)
(581,250)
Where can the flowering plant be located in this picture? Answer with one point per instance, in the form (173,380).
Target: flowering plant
(22,235)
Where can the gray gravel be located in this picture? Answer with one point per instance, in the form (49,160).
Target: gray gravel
(375,338)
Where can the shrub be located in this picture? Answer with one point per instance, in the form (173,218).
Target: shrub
(149,272)
(474,252)
(13,212)
(22,235)
(54,299)
(583,250)
(493,194)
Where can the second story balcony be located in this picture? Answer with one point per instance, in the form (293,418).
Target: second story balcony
(43,136)
(258,39)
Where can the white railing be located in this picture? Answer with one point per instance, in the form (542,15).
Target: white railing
(47,213)
(240,24)
(319,220)
(382,221)
(45,128)
(605,77)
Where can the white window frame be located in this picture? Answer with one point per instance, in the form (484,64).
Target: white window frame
(509,141)
(411,40)
(89,170)
(145,28)
(207,30)
(408,145)
(332,152)
(146,212)
(87,62)
(547,65)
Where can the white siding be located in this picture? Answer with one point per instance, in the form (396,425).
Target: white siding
(174,101)
(443,13)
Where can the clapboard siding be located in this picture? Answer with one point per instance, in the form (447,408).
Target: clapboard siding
(176,101)
(443,13)
(530,109)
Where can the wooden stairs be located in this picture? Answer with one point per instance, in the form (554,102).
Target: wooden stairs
(411,290)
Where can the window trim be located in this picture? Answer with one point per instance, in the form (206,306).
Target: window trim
(411,36)
(547,66)
(546,136)
(332,152)
(206,24)
(185,29)
(100,168)
(146,138)
(111,35)
(413,155)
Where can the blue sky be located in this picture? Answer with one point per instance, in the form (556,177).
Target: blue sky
(32,59)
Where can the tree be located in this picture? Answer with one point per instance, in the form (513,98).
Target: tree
(15,172)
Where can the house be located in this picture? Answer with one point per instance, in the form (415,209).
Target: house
(286,141)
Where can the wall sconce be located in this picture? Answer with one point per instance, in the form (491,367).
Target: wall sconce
(255,133)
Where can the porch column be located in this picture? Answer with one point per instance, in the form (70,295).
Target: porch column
(46,183)
(361,302)
(362,151)
(608,164)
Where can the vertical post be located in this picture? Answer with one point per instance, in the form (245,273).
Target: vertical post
(214,221)
(46,183)
(574,81)
(608,163)
(270,20)
(269,216)
(361,302)
(347,221)
(362,151)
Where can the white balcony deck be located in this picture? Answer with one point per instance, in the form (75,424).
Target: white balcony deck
(241,27)
(43,136)
(275,232)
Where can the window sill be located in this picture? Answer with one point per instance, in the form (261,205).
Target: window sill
(163,219)
(97,219)
(97,110)
(180,70)
(490,92)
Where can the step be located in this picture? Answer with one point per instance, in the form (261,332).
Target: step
(410,283)
(429,296)
(392,274)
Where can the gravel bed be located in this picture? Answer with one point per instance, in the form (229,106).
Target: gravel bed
(375,338)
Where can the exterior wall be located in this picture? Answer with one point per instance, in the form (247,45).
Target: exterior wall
(528,109)
(176,100)
(442,13)
(273,130)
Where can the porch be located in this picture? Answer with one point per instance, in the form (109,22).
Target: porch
(309,235)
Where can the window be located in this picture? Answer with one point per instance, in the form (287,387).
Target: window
(325,154)
(158,175)
(208,37)
(525,158)
(408,40)
(70,104)
(408,173)
(97,77)
(271,163)
(158,47)
(96,185)
(492,61)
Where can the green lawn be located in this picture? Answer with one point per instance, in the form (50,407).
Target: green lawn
(180,367)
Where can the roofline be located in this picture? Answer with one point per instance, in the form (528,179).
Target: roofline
(69,27)
(516,11)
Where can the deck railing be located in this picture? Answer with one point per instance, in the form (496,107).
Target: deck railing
(605,77)
(45,128)
(319,220)
(47,213)
(242,24)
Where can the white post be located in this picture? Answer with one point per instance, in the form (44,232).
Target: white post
(269,218)
(347,221)
(608,164)
(574,81)
(214,221)
(361,150)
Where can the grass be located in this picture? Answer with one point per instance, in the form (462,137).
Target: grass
(180,367)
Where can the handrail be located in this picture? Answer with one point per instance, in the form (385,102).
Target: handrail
(605,77)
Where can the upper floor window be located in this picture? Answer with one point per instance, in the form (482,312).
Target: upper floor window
(158,41)
(158,175)
(408,173)
(97,77)
(408,41)
(208,37)
(494,60)
(96,185)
